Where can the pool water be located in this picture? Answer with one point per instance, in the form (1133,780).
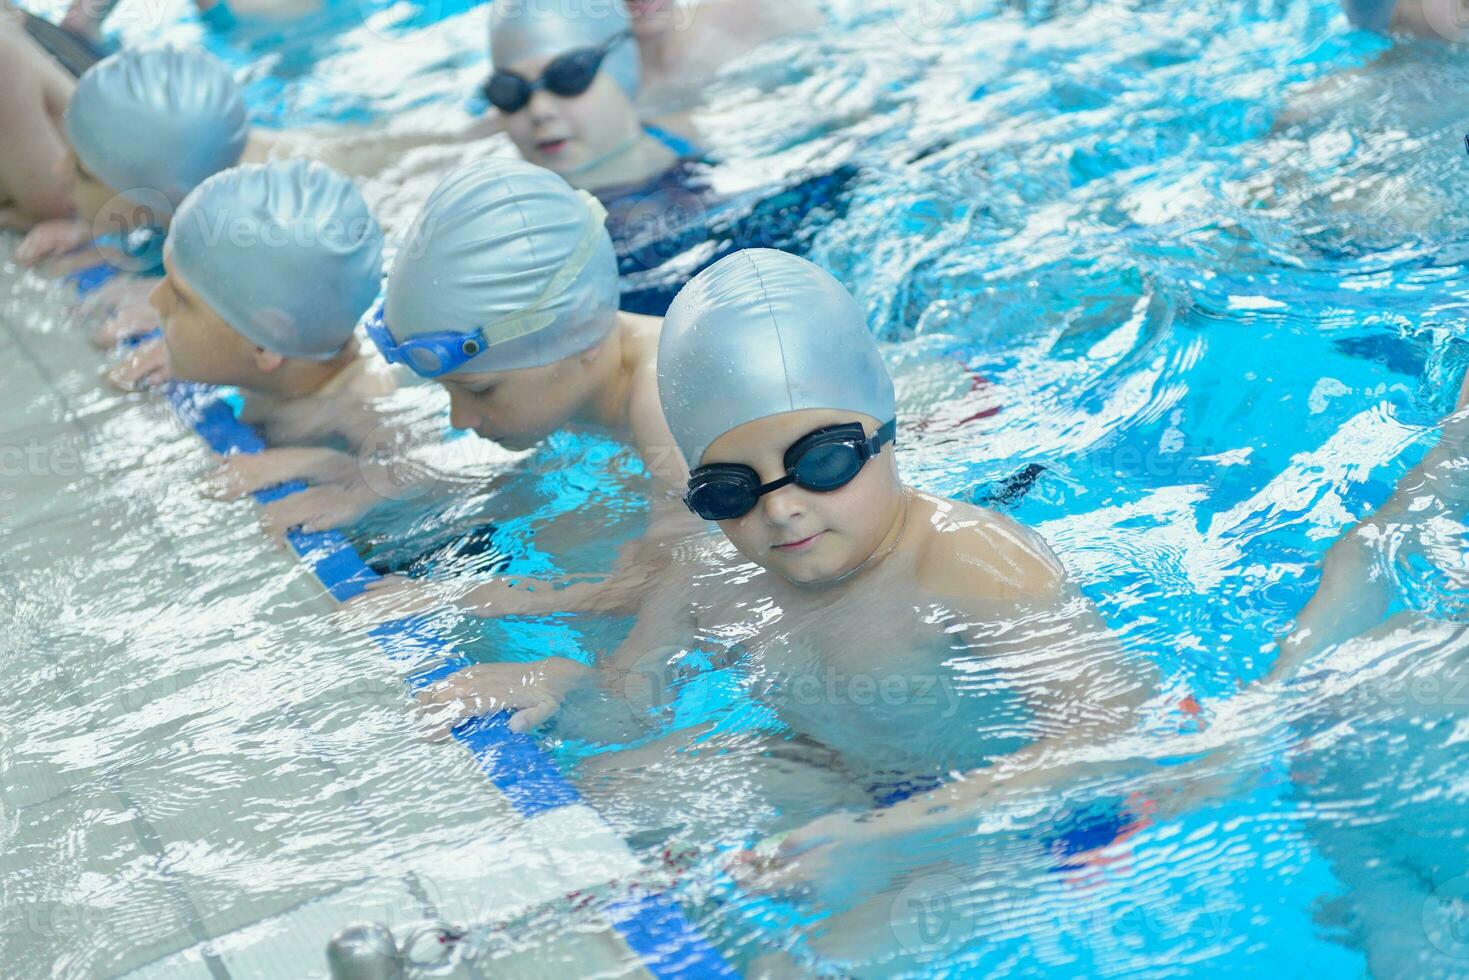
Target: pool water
(1181,286)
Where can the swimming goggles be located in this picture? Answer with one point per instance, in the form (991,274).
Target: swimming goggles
(431,355)
(568,76)
(824,460)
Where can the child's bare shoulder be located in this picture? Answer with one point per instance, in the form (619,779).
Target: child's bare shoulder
(978,553)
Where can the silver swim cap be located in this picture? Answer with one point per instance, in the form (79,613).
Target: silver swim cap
(759,333)
(286,253)
(157,119)
(508,249)
(523,29)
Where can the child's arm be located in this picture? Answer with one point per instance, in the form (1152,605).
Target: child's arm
(607,702)
(30,181)
(1353,595)
(146,366)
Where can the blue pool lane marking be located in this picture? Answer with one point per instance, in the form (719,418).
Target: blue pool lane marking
(652,926)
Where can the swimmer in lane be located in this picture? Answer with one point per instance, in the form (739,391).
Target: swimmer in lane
(506,294)
(33,185)
(841,576)
(268,269)
(565,83)
(144,128)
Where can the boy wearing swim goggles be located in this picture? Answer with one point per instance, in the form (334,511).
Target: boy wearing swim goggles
(506,294)
(907,636)
(565,83)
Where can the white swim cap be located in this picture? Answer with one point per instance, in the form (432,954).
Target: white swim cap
(511,250)
(286,253)
(759,333)
(521,29)
(157,119)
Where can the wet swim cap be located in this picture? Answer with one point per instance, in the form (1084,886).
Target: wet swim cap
(523,29)
(1370,15)
(759,333)
(157,119)
(286,253)
(510,250)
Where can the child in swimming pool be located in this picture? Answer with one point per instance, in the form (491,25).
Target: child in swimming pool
(506,293)
(565,82)
(911,638)
(268,269)
(32,100)
(144,128)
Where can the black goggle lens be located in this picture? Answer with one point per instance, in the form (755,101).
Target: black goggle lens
(568,76)
(573,73)
(507,92)
(722,498)
(828,467)
(823,461)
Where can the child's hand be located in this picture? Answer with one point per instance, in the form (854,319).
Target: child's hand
(242,474)
(145,367)
(398,596)
(126,322)
(113,295)
(810,859)
(532,693)
(51,239)
(317,508)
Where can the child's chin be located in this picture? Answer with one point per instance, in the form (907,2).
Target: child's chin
(804,571)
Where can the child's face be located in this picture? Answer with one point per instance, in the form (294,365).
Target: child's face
(803,535)
(519,408)
(566,135)
(201,346)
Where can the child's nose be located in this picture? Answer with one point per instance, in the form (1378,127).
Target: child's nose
(158,297)
(461,412)
(783,506)
(542,107)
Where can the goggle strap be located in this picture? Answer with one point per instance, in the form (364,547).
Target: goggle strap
(887,432)
(533,318)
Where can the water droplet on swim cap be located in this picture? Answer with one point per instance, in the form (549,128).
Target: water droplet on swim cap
(157,118)
(287,253)
(508,248)
(521,29)
(759,333)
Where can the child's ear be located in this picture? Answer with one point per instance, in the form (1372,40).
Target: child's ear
(268,361)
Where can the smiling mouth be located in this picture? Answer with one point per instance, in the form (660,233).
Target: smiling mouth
(801,545)
(552,147)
